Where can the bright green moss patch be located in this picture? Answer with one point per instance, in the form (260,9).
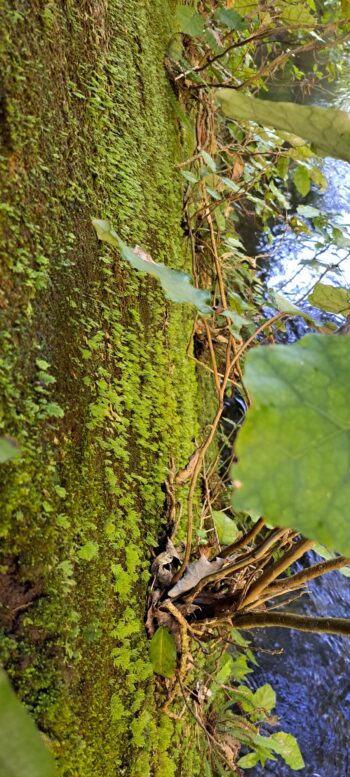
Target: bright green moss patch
(95,384)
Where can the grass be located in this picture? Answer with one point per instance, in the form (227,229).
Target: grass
(95,384)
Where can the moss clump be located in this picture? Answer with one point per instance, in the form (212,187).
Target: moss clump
(94,380)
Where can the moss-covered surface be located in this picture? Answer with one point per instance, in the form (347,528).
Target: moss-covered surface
(95,384)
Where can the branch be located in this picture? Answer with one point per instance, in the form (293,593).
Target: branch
(276,569)
(262,620)
(308,574)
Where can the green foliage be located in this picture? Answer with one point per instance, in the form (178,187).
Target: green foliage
(189,22)
(293,448)
(256,707)
(301,178)
(162,652)
(334,299)
(8,449)
(226,528)
(22,751)
(228,17)
(88,551)
(176,285)
(328,129)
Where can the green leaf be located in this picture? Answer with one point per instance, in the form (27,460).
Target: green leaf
(294,447)
(298,15)
(209,161)
(8,449)
(283,304)
(22,751)
(328,129)
(308,211)
(190,23)
(248,761)
(334,299)
(189,176)
(88,551)
(301,178)
(287,746)
(229,18)
(226,528)
(162,651)
(53,410)
(265,698)
(240,667)
(176,285)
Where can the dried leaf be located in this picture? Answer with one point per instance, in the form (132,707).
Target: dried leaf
(187,472)
(195,573)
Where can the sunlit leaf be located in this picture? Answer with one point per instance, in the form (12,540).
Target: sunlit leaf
(162,652)
(328,129)
(22,750)
(334,299)
(308,211)
(294,448)
(8,449)
(301,178)
(176,285)
(298,15)
(226,528)
(248,761)
(286,746)
(265,698)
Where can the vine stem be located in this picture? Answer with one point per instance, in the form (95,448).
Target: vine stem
(262,620)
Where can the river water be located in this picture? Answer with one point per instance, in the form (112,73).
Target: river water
(311,673)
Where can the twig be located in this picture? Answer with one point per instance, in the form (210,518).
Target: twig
(262,620)
(276,569)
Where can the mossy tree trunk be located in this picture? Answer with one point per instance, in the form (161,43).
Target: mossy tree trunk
(95,385)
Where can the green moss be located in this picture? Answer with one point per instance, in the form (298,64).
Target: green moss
(95,384)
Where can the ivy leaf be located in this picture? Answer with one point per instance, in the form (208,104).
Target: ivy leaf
(190,22)
(294,447)
(226,528)
(8,449)
(334,299)
(162,652)
(328,129)
(229,18)
(22,751)
(287,746)
(176,285)
(301,178)
(283,304)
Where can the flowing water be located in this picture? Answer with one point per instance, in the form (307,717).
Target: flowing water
(310,672)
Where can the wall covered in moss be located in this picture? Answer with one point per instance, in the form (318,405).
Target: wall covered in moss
(95,384)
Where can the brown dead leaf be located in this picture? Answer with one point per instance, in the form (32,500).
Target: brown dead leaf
(187,472)
(238,168)
(195,572)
